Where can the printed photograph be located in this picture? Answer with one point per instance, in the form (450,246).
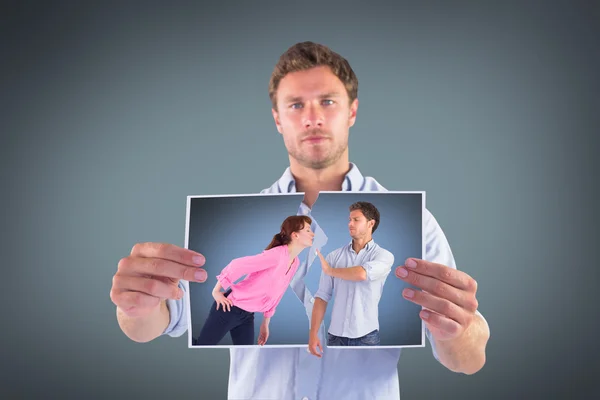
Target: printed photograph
(276,267)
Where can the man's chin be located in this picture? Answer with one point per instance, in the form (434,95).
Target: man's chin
(317,162)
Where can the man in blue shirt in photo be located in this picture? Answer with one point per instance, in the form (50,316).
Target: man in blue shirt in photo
(314,104)
(357,272)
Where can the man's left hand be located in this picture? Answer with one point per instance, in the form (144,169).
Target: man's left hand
(447,296)
(324,264)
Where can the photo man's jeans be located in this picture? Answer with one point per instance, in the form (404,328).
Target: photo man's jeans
(370,339)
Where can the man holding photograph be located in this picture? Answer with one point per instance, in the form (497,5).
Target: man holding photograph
(314,103)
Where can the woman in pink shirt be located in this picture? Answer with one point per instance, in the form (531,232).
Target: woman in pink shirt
(268,276)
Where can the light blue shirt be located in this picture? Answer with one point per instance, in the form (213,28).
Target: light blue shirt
(355,309)
(294,373)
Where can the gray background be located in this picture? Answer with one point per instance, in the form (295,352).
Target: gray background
(223,228)
(112,115)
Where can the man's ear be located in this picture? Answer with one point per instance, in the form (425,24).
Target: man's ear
(276,119)
(353,111)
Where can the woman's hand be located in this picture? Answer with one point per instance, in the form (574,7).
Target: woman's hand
(222,300)
(264,333)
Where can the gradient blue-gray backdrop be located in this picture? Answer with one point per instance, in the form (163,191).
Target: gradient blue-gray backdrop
(223,228)
(111,114)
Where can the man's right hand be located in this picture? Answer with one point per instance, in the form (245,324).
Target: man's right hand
(313,344)
(151,274)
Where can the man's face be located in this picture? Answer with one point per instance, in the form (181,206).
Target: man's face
(358,225)
(314,116)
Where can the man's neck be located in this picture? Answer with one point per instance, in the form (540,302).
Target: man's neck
(312,181)
(359,244)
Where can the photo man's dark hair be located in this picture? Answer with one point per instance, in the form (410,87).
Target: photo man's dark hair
(369,211)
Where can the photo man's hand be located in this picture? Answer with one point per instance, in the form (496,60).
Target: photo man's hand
(314,345)
(326,268)
(150,274)
(448,296)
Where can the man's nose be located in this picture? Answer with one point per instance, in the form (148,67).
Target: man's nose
(313,118)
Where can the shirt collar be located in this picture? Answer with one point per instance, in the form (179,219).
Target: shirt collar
(368,246)
(353,180)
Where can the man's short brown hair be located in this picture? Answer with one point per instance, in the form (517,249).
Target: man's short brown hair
(306,55)
(369,211)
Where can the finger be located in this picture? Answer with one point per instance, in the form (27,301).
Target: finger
(445,325)
(441,306)
(438,288)
(152,287)
(314,352)
(133,302)
(160,268)
(451,276)
(168,252)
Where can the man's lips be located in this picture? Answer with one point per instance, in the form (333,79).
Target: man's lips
(315,139)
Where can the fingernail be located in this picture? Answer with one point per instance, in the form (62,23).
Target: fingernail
(425,314)
(402,272)
(410,263)
(198,260)
(200,275)
(409,293)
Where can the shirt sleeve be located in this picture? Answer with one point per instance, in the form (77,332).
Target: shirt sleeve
(325,283)
(178,313)
(269,313)
(380,266)
(303,209)
(437,250)
(245,265)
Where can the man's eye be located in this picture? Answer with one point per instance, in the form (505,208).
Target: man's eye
(328,102)
(296,105)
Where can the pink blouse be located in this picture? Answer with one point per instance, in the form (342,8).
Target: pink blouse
(266,281)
